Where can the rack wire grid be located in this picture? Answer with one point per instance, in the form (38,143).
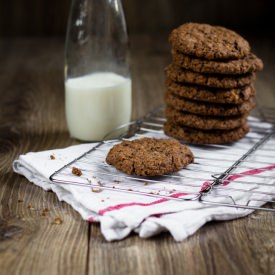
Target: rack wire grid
(239,175)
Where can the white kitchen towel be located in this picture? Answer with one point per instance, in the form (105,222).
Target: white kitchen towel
(121,213)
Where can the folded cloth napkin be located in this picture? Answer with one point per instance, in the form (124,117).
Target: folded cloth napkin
(121,213)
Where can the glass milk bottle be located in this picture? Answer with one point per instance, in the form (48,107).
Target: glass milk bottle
(97,74)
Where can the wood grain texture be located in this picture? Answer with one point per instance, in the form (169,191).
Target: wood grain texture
(32,92)
(32,119)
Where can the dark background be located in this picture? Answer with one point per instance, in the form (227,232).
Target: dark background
(49,17)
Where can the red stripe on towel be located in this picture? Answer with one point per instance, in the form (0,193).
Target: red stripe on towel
(122,205)
(91,219)
(230,178)
(248,173)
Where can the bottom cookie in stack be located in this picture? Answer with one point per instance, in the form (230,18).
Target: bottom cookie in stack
(206,122)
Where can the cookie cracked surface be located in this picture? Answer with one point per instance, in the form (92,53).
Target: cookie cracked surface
(149,157)
(208,42)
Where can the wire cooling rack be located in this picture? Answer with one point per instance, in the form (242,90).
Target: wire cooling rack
(240,175)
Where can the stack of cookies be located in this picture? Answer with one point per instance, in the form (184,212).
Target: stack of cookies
(209,85)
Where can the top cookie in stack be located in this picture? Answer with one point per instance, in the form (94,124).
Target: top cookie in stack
(209,90)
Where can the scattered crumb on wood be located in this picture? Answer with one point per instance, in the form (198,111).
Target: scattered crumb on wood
(20,200)
(76,171)
(45,212)
(57,220)
(30,207)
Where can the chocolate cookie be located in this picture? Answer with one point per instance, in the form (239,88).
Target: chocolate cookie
(204,122)
(211,80)
(247,64)
(209,109)
(231,96)
(205,136)
(149,157)
(209,42)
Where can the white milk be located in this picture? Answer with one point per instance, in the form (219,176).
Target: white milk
(96,104)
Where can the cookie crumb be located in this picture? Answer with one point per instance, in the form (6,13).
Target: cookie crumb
(96,190)
(30,207)
(52,157)
(145,183)
(57,220)
(20,200)
(45,212)
(76,171)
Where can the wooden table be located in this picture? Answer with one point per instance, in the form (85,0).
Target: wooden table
(32,119)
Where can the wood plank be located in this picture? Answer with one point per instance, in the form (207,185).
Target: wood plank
(32,119)
(30,242)
(233,247)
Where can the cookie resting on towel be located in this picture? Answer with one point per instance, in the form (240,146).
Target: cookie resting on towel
(149,157)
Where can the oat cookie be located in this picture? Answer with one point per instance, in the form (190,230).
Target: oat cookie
(209,42)
(210,109)
(247,64)
(178,74)
(205,136)
(215,95)
(149,157)
(204,122)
